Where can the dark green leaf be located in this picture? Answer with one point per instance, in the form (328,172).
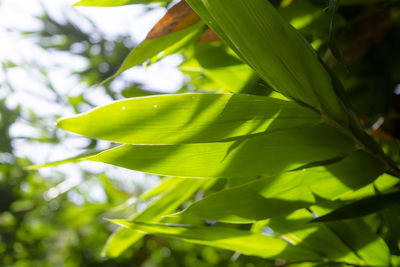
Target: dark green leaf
(361,207)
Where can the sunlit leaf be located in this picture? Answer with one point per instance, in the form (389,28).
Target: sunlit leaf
(122,238)
(225,69)
(250,157)
(274,49)
(248,203)
(274,196)
(188,118)
(244,242)
(165,185)
(383,183)
(359,236)
(152,47)
(75,159)
(318,238)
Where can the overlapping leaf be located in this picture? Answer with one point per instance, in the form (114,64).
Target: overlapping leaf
(275,196)
(188,118)
(250,157)
(179,192)
(150,48)
(274,49)
(361,207)
(227,238)
(276,155)
(178,17)
(317,238)
(360,238)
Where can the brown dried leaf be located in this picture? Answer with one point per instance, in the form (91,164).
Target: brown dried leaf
(178,17)
(209,36)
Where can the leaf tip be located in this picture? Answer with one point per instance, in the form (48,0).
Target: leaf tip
(67,123)
(32,167)
(79,3)
(119,222)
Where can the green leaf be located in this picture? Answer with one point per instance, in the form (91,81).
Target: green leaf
(250,203)
(188,118)
(276,51)
(266,154)
(347,175)
(225,69)
(151,48)
(122,239)
(361,207)
(359,236)
(383,183)
(75,159)
(244,242)
(166,184)
(274,196)
(318,238)
(109,3)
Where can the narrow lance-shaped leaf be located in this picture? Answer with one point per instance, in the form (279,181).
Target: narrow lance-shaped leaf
(274,49)
(188,118)
(225,69)
(165,185)
(75,159)
(249,158)
(318,238)
(383,183)
(359,236)
(274,196)
(122,239)
(152,47)
(361,207)
(244,242)
(246,204)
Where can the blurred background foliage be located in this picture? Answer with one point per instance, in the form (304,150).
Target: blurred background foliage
(47,220)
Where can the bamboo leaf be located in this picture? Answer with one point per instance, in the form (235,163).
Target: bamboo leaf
(274,49)
(244,242)
(318,238)
(225,69)
(247,204)
(75,159)
(245,158)
(166,184)
(274,196)
(122,239)
(333,6)
(188,118)
(152,47)
(359,236)
(361,207)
